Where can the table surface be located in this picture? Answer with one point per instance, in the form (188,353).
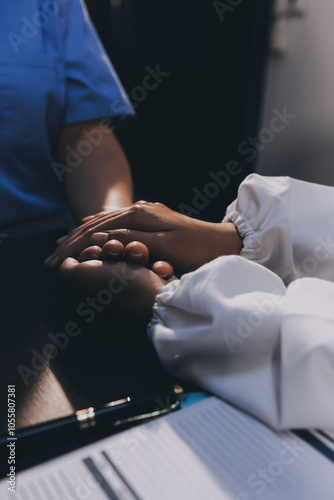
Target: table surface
(108,360)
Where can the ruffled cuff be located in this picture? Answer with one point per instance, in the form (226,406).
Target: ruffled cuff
(250,235)
(261,213)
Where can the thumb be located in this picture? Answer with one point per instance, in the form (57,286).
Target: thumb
(69,264)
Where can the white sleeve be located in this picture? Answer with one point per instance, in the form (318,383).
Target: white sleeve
(235,330)
(287,225)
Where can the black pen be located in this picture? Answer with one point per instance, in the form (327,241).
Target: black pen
(114,415)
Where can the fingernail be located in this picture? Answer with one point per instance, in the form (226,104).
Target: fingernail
(114,254)
(103,237)
(162,275)
(60,240)
(48,260)
(54,262)
(136,254)
(95,256)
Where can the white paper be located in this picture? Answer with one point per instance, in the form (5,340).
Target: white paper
(208,451)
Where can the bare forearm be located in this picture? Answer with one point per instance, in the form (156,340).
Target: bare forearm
(102,178)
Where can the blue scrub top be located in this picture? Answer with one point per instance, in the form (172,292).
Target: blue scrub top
(53,72)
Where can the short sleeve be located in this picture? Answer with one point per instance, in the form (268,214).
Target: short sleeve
(93,89)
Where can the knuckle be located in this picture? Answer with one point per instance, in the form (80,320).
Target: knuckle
(120,234)
(137,208)
(126,233)
(161,236)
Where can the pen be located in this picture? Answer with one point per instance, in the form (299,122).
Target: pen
(114,414)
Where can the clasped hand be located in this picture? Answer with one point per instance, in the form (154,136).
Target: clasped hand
(167,235)
(132,239)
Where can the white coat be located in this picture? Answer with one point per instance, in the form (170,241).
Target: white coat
(258,329)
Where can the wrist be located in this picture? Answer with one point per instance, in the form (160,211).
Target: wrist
(228,240)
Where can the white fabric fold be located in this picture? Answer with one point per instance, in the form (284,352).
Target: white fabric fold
(232,326)
(287,225)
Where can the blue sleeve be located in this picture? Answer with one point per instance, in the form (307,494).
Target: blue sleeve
(92,85)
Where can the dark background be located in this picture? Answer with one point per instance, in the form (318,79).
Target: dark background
(195,119)
(190,124)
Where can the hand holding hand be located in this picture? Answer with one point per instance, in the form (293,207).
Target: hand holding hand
(169,236)
(134,252)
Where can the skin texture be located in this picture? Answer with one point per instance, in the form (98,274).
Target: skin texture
(102,179)
(133,287)
(184,242)
(135,252)
(102,182)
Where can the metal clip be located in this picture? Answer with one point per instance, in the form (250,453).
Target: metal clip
(86,417)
